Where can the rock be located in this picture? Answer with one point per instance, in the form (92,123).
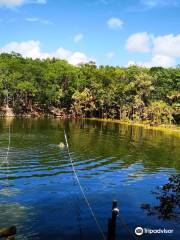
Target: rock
(7,232)
(61,145)
(8,112)
(57,112)
(35,114)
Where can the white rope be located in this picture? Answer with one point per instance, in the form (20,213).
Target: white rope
(9,144)
(82,191)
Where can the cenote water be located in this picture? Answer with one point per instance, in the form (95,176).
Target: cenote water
(38,192)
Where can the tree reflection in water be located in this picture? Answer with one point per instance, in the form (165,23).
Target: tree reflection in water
(169,200)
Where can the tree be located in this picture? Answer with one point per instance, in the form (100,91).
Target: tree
(132,93)
(83,104)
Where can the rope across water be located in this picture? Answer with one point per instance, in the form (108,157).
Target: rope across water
(9,144)
(82,191)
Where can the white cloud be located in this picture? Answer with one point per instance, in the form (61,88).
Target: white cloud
(139,42)
(27,49)
(32,19)
(156,61)
(159,3)
(78,38)
(74,58)
(46,21)
(165,50)
(115,23)
(131,63)
(32,49)
(17,3)
(78,57)
(168,45)
(160,60)
(110,55)
(43,21)
(40,1)
(11,3)
(63,53)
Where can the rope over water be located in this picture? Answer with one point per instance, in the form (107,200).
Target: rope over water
(82,191)
(9,144)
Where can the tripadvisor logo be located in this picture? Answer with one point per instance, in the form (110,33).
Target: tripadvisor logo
(139,231)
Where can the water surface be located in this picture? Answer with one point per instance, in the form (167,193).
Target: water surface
(39,194)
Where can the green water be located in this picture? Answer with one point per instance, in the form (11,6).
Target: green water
(38,192)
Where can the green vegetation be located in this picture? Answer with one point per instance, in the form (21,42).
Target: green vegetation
(51,86)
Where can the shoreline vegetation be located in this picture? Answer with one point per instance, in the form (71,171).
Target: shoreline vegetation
(171,129)
(167,129)
(133,95)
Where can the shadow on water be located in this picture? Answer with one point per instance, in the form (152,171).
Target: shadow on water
(112,161)
(169,200)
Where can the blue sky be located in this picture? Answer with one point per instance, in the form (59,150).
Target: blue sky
(115,32)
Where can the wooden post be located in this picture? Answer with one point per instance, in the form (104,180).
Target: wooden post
(112,222)
(109,237)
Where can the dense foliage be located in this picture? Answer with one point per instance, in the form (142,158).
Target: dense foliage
(53,86)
